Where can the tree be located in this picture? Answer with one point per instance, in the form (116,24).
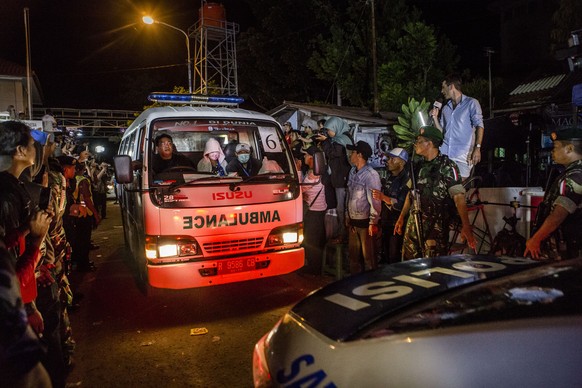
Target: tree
(567,18)
(333,38)
(345,51)
(409,122)
(418,65)
(272,56)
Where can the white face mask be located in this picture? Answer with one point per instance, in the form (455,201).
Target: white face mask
(243,158)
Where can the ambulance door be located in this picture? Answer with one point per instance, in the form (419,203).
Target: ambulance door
(134,210)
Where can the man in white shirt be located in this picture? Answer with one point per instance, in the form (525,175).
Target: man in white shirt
(461,122)
(49,124)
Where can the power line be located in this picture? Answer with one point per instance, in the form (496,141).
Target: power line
(127,70)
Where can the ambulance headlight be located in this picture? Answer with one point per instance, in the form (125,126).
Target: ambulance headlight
(292,234)
(168,250)
(170,247)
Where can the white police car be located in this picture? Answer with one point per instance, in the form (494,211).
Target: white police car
(454,321)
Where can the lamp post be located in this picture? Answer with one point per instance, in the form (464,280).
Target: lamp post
(374,58)
(489,52)
(150,20)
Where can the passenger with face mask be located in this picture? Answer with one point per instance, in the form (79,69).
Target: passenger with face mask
(244,165)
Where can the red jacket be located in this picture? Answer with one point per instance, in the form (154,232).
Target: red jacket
(25,264)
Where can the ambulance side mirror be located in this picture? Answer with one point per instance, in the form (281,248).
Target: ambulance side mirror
(123,169)
(319,164)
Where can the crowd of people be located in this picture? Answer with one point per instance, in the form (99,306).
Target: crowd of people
(410,212)
(53,195)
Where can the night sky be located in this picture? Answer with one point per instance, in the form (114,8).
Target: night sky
(83,51)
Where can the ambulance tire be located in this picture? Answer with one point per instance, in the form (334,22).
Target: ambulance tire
(143,281)
(141,272)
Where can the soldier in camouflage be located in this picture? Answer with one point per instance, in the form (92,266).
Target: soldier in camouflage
(558,232)
(440,190)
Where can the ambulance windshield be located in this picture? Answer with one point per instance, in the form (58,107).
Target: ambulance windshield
(202,148)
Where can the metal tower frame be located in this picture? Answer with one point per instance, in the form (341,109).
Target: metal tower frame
(215,69)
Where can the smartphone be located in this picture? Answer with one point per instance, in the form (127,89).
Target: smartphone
(44,199)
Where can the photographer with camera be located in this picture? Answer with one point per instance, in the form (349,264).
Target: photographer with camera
(333,144)
(309,132)
(23,226)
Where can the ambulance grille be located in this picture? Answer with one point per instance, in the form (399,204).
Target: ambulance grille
(242,244)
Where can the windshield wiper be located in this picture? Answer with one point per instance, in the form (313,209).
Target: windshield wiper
(218,178)
(261,177)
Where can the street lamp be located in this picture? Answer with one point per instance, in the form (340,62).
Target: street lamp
(488,53)
(150,20)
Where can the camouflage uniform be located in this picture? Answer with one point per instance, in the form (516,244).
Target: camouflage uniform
(437,182)
(566,191)
(56,260)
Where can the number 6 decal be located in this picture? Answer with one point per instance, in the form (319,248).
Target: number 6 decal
(270,139)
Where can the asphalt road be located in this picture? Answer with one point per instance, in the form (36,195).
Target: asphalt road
(127,339)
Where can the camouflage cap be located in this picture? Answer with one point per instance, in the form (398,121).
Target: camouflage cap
(568,134)
(431,133)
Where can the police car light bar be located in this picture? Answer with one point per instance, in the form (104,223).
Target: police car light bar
(177,98)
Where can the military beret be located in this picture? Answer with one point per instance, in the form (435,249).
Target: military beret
(431,133)
(567,134)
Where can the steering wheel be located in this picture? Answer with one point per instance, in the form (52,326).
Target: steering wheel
(179,169)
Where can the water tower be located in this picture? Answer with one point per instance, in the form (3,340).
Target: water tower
(214,51)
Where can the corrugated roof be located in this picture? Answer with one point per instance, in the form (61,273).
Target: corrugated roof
(11,69)
(538,85)
(361,115)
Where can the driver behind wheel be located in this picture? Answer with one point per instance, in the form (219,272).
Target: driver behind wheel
(166,155)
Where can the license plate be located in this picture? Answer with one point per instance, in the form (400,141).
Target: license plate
(236,265)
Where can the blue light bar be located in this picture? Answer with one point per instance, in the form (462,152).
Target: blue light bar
(177,98)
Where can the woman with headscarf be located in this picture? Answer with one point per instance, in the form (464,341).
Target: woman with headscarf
(214,160)
(334,147)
